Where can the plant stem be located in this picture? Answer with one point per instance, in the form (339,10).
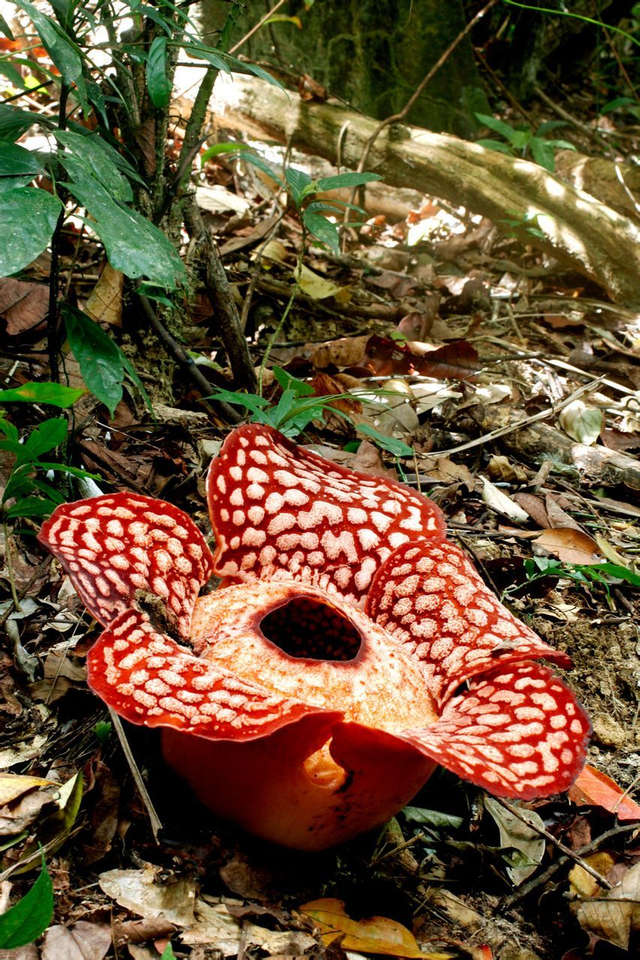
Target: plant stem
(54,279)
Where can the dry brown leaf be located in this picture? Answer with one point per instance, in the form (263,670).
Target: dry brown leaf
(535,507)
(105,300)
(374,935)
(23,304)
(557,516)
(570,546)
(501,468)
(83,941)
(14,785)
(345,352)
(610,917)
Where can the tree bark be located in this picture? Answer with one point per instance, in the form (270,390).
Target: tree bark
(549,215)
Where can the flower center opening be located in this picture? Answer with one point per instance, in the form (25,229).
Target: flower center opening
(312,630)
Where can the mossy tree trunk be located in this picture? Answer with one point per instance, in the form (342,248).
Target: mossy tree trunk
(373,54)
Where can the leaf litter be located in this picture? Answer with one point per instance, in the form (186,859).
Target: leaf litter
(476,375)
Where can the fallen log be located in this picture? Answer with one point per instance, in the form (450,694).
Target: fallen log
(549,215)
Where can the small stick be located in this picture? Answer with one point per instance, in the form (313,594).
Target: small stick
(568,852)
(154,819)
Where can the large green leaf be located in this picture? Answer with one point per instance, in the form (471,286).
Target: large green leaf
(28,217)
(14,121)
(64,53)
(134,245)
(15,161)
(54,393)
(30,916)
(96,161)
(158,82)
(99,357)
(46,437)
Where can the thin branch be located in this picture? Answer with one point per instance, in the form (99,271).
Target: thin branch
(154,819)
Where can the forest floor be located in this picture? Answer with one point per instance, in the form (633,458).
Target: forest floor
(515,386)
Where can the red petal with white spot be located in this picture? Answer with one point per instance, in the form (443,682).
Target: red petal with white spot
(149,679)
(430,597)
(282,512)
(517,732)
(114,545)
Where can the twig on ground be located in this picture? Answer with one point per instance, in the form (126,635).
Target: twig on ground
(154,819)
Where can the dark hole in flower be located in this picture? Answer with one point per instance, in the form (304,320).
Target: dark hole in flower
(308,628)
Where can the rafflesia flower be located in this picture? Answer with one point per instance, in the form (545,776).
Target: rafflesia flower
(349,651)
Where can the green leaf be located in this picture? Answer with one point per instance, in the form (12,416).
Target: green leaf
(45,437)
(158,82)
(167,953)
(153,292)
(297,181)
(99,357)
(324,230)
(542,153)
(15,161)
(133,244)
(498,126)
(12,74)
(30,916)
(391,444)
(5,28)
(432,818)
(216,149)
(133,374)
(32,507)
(14,121)
(28,217)
(64,53)
(95,160)
(342,180)
(495,145)
(54,393)
(287,382)
(262,73)
(614,570)
(255,160)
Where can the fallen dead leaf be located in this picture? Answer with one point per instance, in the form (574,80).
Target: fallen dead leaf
(500,502)
(584,884)
(82,941)
(14,785)
(570,546)
(23,304)
(557,516)
(374,935)
(105,300)
(535,507)
(581,423)
(597,788)
(138,891)
(501,468)
(615,915)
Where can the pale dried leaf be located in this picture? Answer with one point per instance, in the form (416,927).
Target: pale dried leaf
(14,785)
(514,833)
(582,423)
(137,891)
(83,941)
(500,502)
(501,468)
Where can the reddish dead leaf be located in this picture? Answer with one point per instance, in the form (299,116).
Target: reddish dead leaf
(535,507)
(310,89)
(325,385)
(23,305)
(456,360)
(570,546)
(594,787)
(557,516)
(374,935)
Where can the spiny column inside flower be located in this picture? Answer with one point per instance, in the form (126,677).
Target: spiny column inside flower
(308,628)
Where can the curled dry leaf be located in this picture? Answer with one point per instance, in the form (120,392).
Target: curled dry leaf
(105,300)
(516,834)
(582,423)
(569,545)
(374,935)
(614,916)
